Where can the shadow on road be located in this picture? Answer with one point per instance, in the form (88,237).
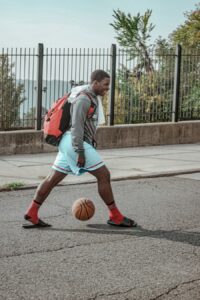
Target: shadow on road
(187,237)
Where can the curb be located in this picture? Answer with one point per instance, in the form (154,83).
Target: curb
(134,177)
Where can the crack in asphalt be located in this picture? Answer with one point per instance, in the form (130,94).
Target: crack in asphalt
(98,296)
(174,288)
(111,294)
(60,249)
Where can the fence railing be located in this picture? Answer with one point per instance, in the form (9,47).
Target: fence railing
(163,86)
(167,88)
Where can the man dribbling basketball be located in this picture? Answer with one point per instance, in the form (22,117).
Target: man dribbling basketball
(77,155)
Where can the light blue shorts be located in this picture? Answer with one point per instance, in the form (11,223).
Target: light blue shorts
(66,159)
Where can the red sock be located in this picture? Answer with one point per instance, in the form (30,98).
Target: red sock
(114,214)
(32,212)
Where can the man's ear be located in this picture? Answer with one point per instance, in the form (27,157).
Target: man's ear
(95,82)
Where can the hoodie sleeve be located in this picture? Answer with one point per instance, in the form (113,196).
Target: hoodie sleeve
(79,115)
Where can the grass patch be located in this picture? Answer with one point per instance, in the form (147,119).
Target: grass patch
(11,186)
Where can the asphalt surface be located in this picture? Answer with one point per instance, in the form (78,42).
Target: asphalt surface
(89,260)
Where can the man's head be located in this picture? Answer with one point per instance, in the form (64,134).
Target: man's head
(100,81)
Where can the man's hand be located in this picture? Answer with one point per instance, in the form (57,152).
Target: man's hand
(81,159)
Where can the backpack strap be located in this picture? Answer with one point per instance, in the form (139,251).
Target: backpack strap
(93,106)
(91,112)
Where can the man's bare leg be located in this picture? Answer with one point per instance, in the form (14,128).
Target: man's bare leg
(104,187)
(105,191)
(40,196)
(47,185)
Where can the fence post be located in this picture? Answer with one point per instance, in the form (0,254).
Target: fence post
(177,77)
(112,85)
(39,86)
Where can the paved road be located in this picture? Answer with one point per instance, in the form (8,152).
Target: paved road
(90,260)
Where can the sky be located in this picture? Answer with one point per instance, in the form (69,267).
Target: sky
(80,23)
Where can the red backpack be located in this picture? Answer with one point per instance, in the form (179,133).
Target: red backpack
(57,119)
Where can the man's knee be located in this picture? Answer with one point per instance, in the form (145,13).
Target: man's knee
(104,175)
(107,175)
(54,178)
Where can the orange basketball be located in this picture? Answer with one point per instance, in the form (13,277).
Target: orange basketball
(83,209)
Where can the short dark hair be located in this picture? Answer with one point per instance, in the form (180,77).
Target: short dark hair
(99,75)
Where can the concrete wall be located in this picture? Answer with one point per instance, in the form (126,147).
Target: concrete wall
(31,141)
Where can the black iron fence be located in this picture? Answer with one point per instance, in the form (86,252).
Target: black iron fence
(156,86)
(165,86)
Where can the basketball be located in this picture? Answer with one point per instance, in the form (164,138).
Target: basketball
(83,209)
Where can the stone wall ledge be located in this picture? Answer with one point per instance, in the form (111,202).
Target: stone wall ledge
(108,137)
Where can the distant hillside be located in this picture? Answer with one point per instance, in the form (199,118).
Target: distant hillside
(52,90)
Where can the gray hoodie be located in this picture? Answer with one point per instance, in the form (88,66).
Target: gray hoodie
(82,127)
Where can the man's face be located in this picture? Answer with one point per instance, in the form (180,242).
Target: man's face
(101,87)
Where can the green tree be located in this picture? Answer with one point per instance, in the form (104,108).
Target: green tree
(188,34)
(10,95)
(140,88)
(191,106)
(133,33)
(162,46)
(145,89)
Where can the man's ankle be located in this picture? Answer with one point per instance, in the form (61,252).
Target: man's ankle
(32,212)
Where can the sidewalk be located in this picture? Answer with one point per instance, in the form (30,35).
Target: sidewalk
(124,163)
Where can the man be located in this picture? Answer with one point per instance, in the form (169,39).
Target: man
(77,154)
